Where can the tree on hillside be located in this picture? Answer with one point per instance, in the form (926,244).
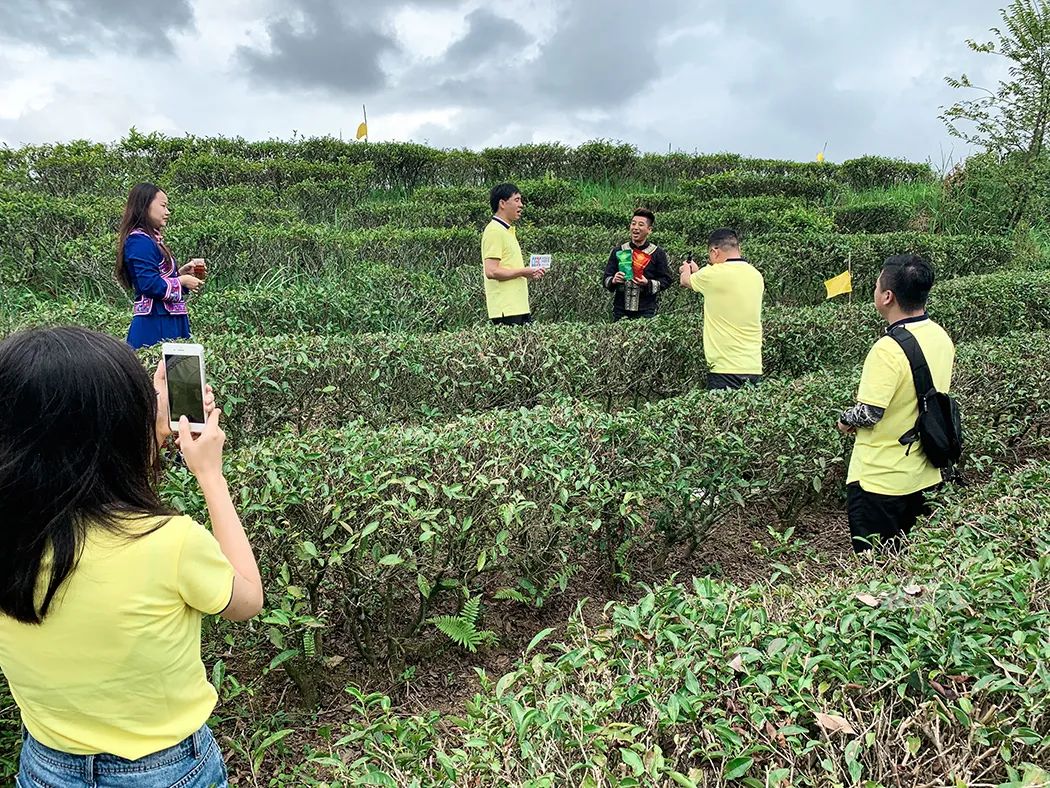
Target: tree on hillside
(1013,120)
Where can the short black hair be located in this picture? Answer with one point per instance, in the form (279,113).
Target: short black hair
(503,191)
(645,213)
(910,278)
(723,238)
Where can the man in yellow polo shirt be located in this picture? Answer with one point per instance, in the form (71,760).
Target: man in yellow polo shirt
(887,478)
(506,275)
(732,289)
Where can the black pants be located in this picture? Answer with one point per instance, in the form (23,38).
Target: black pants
(513,320)
(887,517)
(619,313)
(717,381)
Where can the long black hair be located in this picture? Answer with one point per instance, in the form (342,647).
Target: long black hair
(136,217)
(77,451)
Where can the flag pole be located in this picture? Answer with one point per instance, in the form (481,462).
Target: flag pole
(365,113)
(849,268)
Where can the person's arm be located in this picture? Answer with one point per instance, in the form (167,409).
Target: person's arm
(494,271)
(143,258)
(879,380)
(203,456)
(685,275)
(860,416)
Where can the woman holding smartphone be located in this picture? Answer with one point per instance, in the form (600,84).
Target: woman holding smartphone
(147,267)
(102,586)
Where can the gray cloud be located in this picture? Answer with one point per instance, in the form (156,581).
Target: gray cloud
(780,79)
(333,50)
(143,26)
(600,54)
(489,40)
(603,52)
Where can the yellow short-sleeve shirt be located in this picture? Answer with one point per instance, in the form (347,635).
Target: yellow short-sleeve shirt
(732,294)
(511,297)
(879,462)
(115,666)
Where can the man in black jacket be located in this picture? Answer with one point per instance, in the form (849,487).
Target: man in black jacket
(637,271)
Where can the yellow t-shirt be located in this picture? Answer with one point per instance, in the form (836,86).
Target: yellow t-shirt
(509,298)
(879,462)
(732,294)
(115,666)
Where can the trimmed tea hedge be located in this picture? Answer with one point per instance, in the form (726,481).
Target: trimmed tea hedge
(746,184)
(307,382)
(414,302)
(366,534)
(704,683)
(73,168)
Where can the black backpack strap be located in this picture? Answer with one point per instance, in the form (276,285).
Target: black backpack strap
(920,374)
(920,370)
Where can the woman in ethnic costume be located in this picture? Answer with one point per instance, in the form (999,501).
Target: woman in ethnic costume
(147,267)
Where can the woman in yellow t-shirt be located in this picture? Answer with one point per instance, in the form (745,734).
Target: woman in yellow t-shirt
(102,586)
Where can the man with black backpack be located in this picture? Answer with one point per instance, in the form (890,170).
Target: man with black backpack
(904,438)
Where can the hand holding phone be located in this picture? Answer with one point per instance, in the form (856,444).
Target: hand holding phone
(184,378)
(203,452)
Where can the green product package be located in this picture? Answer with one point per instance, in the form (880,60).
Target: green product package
(623,257)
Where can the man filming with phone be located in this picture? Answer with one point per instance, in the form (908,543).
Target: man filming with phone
(732,289)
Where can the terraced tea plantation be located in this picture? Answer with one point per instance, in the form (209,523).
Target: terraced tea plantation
(548,556)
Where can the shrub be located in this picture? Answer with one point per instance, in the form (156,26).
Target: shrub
(878,172)
(604,161)
(548,192)
(704,682)
(524,162)
(318,200)
(745,184)
(662,201)
(207,171)
(795,266)
(309,382)
(874,216)
(667,169)
(367,534)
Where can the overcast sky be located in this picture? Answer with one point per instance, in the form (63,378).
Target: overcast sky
(773,78)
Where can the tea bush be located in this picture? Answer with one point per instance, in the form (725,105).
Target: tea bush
(366,534)
(392,378)
(877,172)
(940,672)
(753,184)
(876,216)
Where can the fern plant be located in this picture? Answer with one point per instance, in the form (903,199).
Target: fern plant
(462,629)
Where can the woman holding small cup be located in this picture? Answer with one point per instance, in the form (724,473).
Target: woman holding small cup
(146,266)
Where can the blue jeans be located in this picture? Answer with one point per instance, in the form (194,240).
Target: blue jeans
(195,762)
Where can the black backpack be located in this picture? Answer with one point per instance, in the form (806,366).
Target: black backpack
(939,426)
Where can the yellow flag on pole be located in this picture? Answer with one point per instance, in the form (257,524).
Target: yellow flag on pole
(362,130)
(837,285)
(820,157)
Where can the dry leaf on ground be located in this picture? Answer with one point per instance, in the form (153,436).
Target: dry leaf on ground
(833,723)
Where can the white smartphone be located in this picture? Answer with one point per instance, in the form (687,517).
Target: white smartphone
(184,369)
